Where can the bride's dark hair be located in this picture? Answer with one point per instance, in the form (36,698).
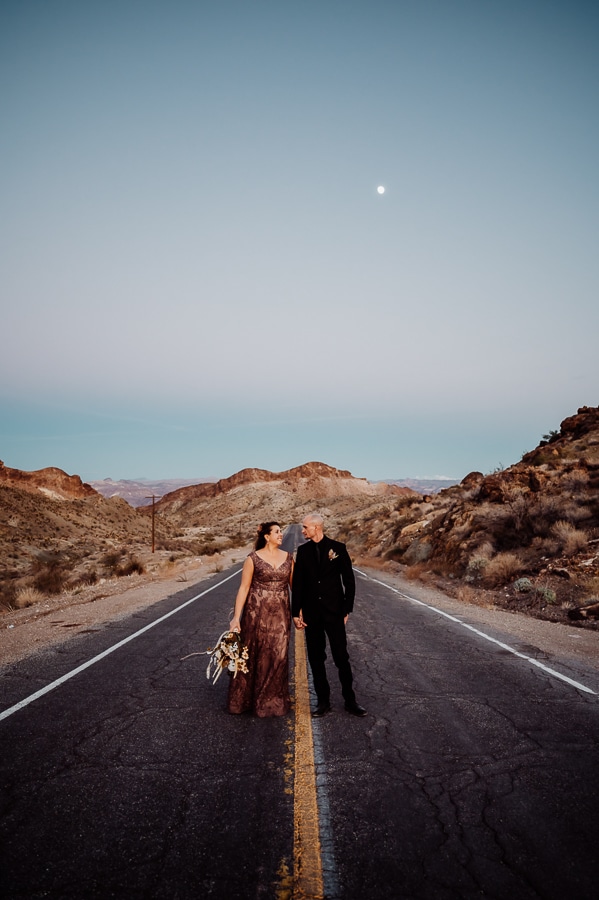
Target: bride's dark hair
(263,531)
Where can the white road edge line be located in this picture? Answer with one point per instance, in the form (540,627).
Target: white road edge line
(91,662)
(487,637)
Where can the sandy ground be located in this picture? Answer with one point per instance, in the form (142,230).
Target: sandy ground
(55,619)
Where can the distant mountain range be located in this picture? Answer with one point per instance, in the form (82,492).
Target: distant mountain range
(424,485)
(140,492)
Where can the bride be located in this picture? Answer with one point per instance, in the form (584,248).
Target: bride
(263,617)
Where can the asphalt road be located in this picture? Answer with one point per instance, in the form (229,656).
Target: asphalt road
(475,774)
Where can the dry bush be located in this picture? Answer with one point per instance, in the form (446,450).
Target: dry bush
(27,597)
(476,566)
(553,508)
(85,579)
(473,597)
(570,539)
(544,546)
(502,568)
(479,560)
(131,567)
(417,572)
(575,481)
(51,579)
(589,584)
(518,504)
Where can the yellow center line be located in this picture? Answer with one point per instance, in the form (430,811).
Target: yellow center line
(307,861)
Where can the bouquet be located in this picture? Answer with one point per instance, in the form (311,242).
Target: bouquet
(229,653)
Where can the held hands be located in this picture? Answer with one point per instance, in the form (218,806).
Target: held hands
(235,625)
(298,621)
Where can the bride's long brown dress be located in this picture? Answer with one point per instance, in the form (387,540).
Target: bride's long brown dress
(265,628)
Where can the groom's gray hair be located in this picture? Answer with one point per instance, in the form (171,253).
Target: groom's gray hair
(315,518)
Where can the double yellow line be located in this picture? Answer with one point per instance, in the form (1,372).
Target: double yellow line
(307,857)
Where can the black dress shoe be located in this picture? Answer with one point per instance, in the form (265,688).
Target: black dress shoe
(321,710)
(355,709)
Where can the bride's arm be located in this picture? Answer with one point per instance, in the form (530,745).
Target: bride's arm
(244,588)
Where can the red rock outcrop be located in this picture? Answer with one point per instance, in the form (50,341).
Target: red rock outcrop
(52,482)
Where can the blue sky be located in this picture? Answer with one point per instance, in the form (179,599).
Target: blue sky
(199,275)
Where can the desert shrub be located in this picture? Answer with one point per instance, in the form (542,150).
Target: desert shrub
(131,567)
(551,436)
(7,595)
(476,566)
(206,549)
(546,594)
(51,579)
(523,585)
(502,568)
(403,501)
(27,597)
(590,585)
(85,579)
(465,594)
(548,510)
(112,559)
(576,480)
(479,560)
(570,539)
(417,572)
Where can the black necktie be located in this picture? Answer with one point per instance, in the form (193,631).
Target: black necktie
(317,548)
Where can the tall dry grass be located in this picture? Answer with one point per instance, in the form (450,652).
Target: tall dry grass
(502,568)
(28,596)
(570,539)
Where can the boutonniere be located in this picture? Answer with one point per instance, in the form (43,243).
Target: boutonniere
(333,555)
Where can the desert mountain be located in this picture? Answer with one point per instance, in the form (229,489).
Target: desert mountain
(51,482)
(526,537)
(239,503)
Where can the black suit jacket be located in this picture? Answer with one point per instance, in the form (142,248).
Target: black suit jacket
(321,590)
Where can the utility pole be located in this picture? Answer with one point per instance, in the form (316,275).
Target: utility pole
(153,499)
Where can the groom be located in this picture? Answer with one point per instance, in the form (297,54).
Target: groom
(322,599)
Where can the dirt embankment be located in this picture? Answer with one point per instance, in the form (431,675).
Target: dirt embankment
(55,619)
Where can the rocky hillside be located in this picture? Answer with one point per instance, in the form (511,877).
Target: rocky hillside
(52,537)
(525,538)
(239,503)
(49,482)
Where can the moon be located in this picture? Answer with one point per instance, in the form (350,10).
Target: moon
(380,189)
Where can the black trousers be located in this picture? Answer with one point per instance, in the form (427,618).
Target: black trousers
(316,634)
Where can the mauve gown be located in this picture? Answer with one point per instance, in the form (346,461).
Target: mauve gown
(265,628)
